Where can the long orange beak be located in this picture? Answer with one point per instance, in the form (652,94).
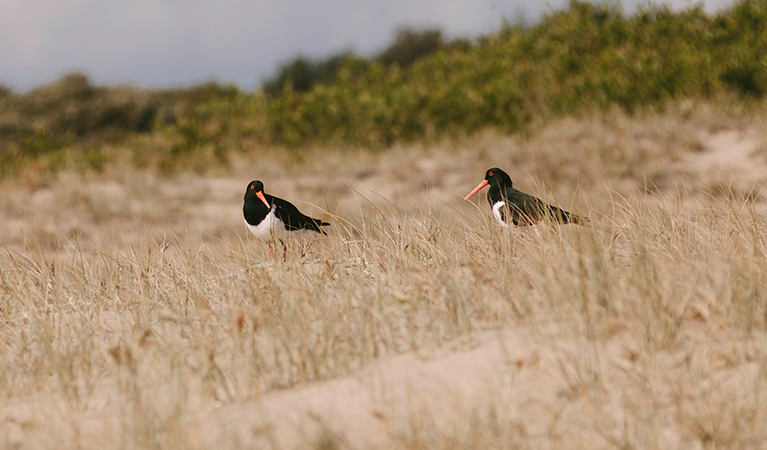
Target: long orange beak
(260,194)
(476,189)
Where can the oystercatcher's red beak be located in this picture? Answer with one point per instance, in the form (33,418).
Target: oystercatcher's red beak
(260,195)
(476,189)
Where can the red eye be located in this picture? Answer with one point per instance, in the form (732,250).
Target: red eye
(252,187)
(490,174)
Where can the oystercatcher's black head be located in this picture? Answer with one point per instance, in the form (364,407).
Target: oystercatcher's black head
(495,177)
(256,190)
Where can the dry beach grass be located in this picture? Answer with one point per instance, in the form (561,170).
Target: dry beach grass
(137,313)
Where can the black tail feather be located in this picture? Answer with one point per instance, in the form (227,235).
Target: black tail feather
(315,225)
(562,216)
(578,220)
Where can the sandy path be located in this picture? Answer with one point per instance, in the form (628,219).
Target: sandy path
(381,400)
(733,151)
(534,389)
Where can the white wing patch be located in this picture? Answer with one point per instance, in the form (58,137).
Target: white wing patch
(497,213)
(270,227)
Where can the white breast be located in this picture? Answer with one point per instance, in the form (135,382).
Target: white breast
(497,212)
(269,228)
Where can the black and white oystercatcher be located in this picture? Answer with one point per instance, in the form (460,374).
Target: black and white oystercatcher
(521,209)
(269,217)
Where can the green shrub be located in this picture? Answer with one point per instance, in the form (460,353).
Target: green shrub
(302,73)
(410,45)
(583,57)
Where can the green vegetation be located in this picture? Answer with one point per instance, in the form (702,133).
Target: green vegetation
(584,57)
(302,74)
(420,87)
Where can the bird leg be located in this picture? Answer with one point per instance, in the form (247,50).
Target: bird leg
(269,251)
(284,250)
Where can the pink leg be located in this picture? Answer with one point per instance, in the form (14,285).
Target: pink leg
(269,252)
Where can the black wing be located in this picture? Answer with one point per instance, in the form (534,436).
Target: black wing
(295,219)
(527,210)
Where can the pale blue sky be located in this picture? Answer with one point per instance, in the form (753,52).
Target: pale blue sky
(161,43)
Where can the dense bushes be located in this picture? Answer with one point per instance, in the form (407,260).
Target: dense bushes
(42,125)
(585,56)
(72,106)
(302,73)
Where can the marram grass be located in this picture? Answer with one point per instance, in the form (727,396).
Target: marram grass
(641,314)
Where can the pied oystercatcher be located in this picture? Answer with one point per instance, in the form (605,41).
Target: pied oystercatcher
(269,217)
(512,205)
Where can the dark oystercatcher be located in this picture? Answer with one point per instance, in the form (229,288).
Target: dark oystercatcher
(521,209)
(269,217)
